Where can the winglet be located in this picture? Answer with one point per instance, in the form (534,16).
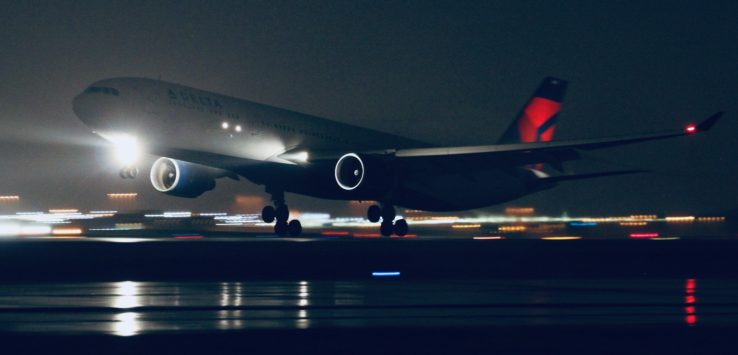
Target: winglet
(705,125)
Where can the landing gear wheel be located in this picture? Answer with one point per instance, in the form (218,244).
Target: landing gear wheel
(386,228)
(295,228)
(388,213)
(128,173)
(282,213)
(374,213)
(281,229)
(401,227)
(268,214)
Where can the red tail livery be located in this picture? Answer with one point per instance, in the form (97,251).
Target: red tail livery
(536,122)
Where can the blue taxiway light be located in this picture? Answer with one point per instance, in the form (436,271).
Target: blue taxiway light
(583,224)
(385,273)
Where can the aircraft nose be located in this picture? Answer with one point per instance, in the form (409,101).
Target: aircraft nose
(76,105)
(83,108)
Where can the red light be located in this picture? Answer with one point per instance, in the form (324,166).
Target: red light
(690,300)
(188,236)
(405,236)
(367,235)
(691,285)
(644,235)
(335,233)
(691,128)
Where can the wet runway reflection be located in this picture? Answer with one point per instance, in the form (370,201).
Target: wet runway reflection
(129,308)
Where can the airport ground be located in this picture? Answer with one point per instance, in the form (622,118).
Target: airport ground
(331,294)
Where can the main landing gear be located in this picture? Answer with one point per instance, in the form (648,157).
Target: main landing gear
(387,214)
(281,214)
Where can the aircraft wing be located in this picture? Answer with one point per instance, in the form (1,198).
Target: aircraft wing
(455,159)
(541,152)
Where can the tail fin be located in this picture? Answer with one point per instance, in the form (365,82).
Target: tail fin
(536,122)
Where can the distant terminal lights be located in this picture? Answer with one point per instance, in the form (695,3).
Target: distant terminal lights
(63,210)
(633,224)
(717,219)
(249,200)
(512,228)
(520,211)
(644,216)
(680,219)
(128,226)
(104,212)
(9,198)
(466,226)
(66,231)
(122,195)
(562,237)
(448,219)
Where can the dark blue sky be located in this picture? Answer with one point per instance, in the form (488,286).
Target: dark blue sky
(445,72)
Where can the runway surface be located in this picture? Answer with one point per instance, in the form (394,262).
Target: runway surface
(443,296)
(129,308)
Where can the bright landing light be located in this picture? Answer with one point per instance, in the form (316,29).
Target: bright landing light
(302,156)
(296,157)
(125,148)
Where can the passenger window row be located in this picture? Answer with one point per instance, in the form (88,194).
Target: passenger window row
(104,90)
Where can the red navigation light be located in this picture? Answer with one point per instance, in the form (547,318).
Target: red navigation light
(691,128)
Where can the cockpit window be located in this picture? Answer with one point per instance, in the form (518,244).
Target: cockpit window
(103,90)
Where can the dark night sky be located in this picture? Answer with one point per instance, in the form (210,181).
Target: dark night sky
(452,73)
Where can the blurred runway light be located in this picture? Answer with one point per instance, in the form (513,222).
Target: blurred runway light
(122,195)
(466,226)
(66,231)
(127,294)
(488,237)
(9,198)
(126,324)
(644,235)
(9,229)
(64,210)
(386,273)
(562,237)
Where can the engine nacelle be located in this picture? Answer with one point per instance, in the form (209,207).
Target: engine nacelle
(182,179)
(364,173)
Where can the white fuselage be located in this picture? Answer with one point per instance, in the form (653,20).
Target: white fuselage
(175,116)
(261,143)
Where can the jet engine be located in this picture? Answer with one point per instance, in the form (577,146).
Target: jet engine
(354,172)
(183,179)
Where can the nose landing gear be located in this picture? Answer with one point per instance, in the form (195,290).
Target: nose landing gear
(128,172)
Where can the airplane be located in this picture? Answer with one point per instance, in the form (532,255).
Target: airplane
(202,136)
